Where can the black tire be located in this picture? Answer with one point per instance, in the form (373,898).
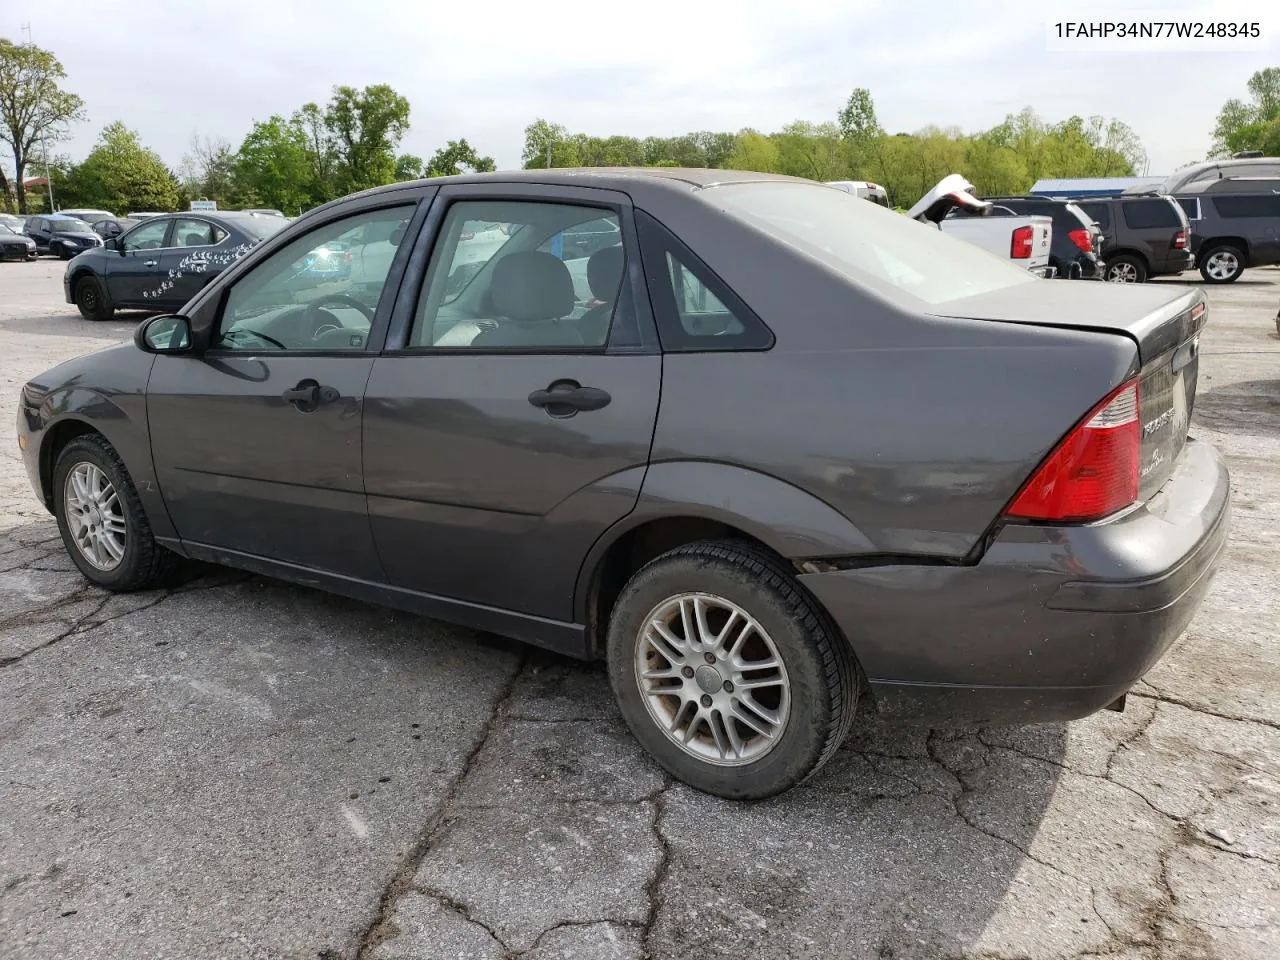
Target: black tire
(144,564)
(92,299)
(1214,259)
(1125,268)
(820,667)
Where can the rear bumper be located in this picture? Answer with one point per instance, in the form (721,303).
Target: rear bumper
(1053,623)
(1176,263)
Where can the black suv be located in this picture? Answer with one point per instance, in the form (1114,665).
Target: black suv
(1077,240)
(62,236)
(1235,224)
(1142,236)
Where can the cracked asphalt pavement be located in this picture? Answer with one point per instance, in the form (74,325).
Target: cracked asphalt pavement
(238,768)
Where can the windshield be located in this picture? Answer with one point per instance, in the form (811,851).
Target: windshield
(4,229)
(868,243)
(71,225)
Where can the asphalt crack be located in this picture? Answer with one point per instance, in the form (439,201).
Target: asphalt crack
(653,888)
(382,927)
(464,911)
(1198,708)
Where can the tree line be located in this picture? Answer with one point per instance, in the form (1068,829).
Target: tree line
(351,142)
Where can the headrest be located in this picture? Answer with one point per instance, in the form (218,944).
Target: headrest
(604,273)
(532,285)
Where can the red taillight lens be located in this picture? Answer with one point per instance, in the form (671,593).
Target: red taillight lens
(1020,248)
(1082,239)
(1180,240)
(1093,472)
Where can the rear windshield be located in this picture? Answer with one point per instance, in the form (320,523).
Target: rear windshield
(71,225)
(868,243)
(1149,214)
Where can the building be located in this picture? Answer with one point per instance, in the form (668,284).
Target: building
(1092,186)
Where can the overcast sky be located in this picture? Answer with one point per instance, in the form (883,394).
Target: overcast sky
(483,70)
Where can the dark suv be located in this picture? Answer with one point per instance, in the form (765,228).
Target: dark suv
(1077,241)
(1234,224)
(1142,236)
(62,236)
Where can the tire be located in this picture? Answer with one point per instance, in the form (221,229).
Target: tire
(1125,268)
(142,563)
(1222,263)
(811,698)
(92,299)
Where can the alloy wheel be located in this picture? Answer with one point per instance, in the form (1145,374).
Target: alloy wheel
(1122,272)
(95,516)
(712,679)
(1222,265)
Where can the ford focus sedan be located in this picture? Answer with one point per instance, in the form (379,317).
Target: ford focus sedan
(770,451)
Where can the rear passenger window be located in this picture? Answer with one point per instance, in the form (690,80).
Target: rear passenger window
(696,311)
(1238,207)
(1191,207)
(1150,214)
(1099,212)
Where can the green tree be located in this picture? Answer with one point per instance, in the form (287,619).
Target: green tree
(120,174)
(812,150)
(409,167)
(857,118)
(34,109)
(458,157)
(322,153)
(275,166)
(754,151)
(366,127)
(208,171)
(1250,125)
(548,144)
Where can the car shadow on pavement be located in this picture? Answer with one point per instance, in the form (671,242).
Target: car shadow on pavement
(1251,407)
(396,778)
(72,325)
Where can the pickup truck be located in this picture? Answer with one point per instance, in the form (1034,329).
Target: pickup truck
(1024,240)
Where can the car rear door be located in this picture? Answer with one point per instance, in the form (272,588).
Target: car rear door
(256,442)
(509,421)
(185,262)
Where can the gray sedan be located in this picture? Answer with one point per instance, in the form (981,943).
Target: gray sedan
(776,450)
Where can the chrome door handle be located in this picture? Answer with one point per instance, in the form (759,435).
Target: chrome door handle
(149,263)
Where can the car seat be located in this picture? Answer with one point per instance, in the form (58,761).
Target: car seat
(532,292)
(604,278)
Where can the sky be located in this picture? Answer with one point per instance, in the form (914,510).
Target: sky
(483,71)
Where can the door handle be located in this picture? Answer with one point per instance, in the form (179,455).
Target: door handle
(149,263)
(308,395)
(564,398)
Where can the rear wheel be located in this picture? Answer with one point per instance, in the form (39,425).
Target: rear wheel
(1222,264)
(101,519)
(91,299)
(727,672)
(1126,269)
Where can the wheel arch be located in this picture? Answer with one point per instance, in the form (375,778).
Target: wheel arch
(1133,252)
(1240,243)
(55,439)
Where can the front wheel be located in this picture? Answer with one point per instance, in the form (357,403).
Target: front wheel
(1222,264)
(101,519)
(727,673)
(91,299)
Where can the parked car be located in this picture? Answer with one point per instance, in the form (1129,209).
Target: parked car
(1142,236)
(266,212)
(113,226)
(88,216)
(1235,224)
(1076,246)
(14,223)
(1239,165)
(1024,240)
(864,189)
(796,448)
(16,246)
(160,263)
(61,236)
(144,215)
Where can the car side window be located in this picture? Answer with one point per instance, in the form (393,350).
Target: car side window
(523,275)
(196,233)
(1150,214)
(1099,212)
(696,310)
(149,236)
(319,292)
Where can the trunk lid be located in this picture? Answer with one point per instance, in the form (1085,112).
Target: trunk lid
(1165,324)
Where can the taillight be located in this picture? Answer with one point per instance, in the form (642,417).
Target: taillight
(1180,240)
(1082,239)
(1093,472)
(1023,237)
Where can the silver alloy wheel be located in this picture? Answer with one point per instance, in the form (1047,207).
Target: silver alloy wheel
(95,516)
(1222,265)
(712,679)
(1122,272)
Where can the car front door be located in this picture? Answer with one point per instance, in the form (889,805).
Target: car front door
(132,274)
(256,441)
(509,421)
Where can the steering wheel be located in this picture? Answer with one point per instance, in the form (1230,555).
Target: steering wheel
(322,321)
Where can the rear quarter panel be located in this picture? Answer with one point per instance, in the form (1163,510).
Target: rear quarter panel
(916,429)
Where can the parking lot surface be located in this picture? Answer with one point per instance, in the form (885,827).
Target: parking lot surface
(238,768)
